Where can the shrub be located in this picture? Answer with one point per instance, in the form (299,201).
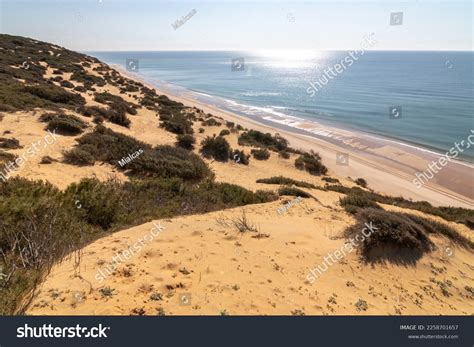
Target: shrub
(210,122)
(224,132)
(9,143)
(352,203)
(216,147)
(66,84)
(361,182)
(239,157)
(330,180)
(230,125)
(64,124)
(176,123)
(47,160)
(395,237)
(293,192)
(186,141)
(78,156)
(201,130)
(455,214)
(311,162)
(55,94)
(285,181)
(258,139)
(80,89)
(284,154)
(260,154)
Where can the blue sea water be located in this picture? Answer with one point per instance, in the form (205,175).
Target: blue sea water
(433,91)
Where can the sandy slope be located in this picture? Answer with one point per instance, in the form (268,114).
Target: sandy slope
(199,266)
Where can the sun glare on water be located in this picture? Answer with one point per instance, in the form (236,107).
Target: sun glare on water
(290,59)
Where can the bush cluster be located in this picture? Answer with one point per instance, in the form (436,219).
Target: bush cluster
(216,147)
(285,181)
(260,154)
(311,162)
(64,124)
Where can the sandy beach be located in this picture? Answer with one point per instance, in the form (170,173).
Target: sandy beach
(389,167)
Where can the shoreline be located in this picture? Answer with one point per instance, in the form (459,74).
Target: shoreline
(374,158)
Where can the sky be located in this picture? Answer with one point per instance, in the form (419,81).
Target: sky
(147,25)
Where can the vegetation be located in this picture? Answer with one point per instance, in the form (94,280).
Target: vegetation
(292,191)
(176,123)
(361,182)
(260,154)
(9,143)
(285,181)
(330,180)
(352,203)
(216,147)
(224,132)
(454,214)
(239,157)
(186,141)
(110,147)
(311,162)
(63,124)
(284,154)
(398,237)
(41,224)
(258,139)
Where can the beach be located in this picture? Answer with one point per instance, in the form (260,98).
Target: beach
(389,167)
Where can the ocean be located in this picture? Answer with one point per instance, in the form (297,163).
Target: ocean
(424,99)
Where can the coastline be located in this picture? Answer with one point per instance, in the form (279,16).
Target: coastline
(374,158)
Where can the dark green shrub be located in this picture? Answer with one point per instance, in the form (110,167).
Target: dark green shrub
(393,237)
(78,156)
(9,143)
(361,182)
(186,141)
(330,180)
(216,147)
(292,191)
(258,139)
(455,214)
(285,181)
(311,162)
(80,89)
(352,203)
(55,94)
(66,84)
(224,132)
(64,124)
(239,157)
(260,154)
(284,154)
(176,123)
(210,122)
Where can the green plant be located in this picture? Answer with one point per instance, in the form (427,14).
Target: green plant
(186,141)
(285,190)
(361,182)
(224,132)
(260,154)
(78,156)
(286,181)
(216,147)
(352,203)
(311,162)
(258,139)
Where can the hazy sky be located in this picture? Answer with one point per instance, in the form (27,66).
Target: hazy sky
(93,25)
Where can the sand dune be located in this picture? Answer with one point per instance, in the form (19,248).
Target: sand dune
(199,265)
